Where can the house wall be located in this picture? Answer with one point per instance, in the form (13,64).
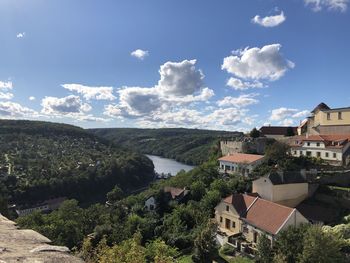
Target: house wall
(232,215)
(299,151)
(150,202)
(321,118)
(295,219)
(239,168)
(285,194)
(249,230)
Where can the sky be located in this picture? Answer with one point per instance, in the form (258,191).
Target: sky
(225,65)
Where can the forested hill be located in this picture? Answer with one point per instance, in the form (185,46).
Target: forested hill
(191,146)
(41,160)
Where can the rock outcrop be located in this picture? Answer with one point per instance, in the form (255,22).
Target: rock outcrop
(24,245)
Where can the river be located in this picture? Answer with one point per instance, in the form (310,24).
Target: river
(165,165)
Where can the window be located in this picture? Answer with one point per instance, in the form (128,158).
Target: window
(334,155)
(308,144)
(308,153)
(233,224)
(227,208)
(318,144)
(318,154)
(220,219)
(301,152)
(339,116)
(328,116)
(327,154)
(295,152)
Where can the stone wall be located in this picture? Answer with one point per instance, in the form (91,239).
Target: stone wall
(244,145)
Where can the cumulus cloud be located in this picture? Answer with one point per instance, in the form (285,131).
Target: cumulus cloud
(269,21)
(5,87)
(21,35)
(266,63)
(287,116)
(89,93)
(9,109)
(64,106)
(31,98)
(241,101)
(180,83)
(139,53)
(238,84)
(227,117)
(335,5)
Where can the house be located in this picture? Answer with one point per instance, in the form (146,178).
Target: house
(327,121)
(151,204)
(277,132)
(332,148)
(242,219)
(176,194)
(46,206)
(240,163)
(285,188)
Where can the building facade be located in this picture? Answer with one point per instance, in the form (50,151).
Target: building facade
(332,148)
(239,163)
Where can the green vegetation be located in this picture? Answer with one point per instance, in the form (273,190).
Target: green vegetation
(41,160)
(190,146)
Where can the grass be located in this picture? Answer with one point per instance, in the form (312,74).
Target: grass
(185,259)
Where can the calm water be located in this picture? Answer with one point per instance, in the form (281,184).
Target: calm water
(164,165)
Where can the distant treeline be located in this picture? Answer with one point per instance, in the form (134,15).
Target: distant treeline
(190,146)
(41,160)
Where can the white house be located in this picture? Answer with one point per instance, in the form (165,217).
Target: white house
(151,204)
(285,188)
(240,163)
(332,148)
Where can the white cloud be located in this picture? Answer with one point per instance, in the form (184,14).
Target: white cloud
(241,101)
(6,95)
(281,113)
(89,93)
(9,109)
(139,53)
(21,35)
(335,5)
(31,98)
(227,117)
(180,78)
(258,63)
(269,21)
(301,114)
(287,122)
(64,106)
(4,90)
(238,84)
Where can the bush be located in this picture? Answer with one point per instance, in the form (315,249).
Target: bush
(228,250)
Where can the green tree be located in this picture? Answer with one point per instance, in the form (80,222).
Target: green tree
(264,250)
(197,190)
(254,133)
(321,247)
(292,235)
(115,195)
(159,252)
(276,151)
(205,247)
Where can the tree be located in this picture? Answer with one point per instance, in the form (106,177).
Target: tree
(321,247)
(264,250)
(197,190)
(292,235)
(276,152)
(205,247)
(254,133)
(159,252)
(115,195)
(290,131)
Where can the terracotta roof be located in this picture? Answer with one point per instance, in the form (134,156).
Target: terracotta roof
(276,130)
(241,158)
(267,216)
(174,191)
(331,141)
(240,202)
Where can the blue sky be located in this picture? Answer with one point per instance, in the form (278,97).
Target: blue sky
(229,65)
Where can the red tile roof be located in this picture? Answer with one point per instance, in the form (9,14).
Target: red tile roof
(241,158)
(175,192)
(331,141)
(267,216)
(240,202)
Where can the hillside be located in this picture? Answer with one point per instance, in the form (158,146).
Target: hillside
(41,160)
(190,146)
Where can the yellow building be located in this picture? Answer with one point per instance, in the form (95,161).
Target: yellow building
(324,120)
(285,188)
(243,218)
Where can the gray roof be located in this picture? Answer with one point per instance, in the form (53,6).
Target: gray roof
(286,178)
